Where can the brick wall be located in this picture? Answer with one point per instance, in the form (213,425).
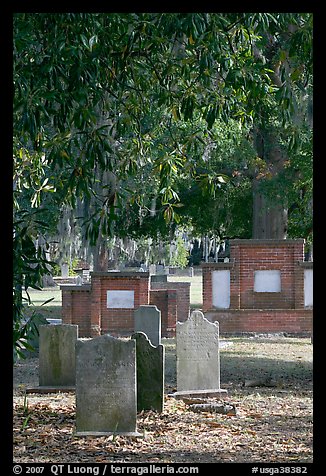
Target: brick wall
(252,311)
(86,305)
(76,307)
(259,255)
(117,320)
(166,301)
(183,297)
(235,321)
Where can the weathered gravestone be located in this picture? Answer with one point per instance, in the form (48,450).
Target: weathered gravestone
(106,386)
(148,320)
(57,356)
(198,360)
(64,270)
(150,374)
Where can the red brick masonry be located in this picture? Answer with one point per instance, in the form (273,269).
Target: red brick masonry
(86,305)
(249,311)
(252,311)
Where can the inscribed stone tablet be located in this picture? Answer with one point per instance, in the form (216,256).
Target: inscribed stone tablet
(308,287)
(198,365)
(267,281)
(221,288)
(148,320)
(150,374)
(57,355)
(106,386)
(120,299)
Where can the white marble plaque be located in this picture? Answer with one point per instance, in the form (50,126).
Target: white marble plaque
(221,289)
(308,288)
(267,281)
(120,299)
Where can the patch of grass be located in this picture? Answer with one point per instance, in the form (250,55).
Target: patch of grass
(288,360)
(39,297)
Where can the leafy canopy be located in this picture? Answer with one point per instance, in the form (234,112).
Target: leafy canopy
(134,98)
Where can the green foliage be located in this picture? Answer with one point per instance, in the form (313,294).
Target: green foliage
(164,103)
(56,270)
(180,254)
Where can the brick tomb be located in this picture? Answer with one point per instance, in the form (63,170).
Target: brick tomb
(265,287)
(107,304)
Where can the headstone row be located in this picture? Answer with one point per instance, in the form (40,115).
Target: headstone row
(114,378)
(111,385)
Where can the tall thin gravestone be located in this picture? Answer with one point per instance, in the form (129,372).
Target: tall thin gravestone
(148,320)
(150,374)
(106,386)
(57,355)
(198,360)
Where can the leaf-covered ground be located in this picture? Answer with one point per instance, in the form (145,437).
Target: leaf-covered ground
(272,423)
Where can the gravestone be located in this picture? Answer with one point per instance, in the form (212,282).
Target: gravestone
(64,270)
(150,374)
(57,355)
(152,269)
(198,361)
(159,269)
(106,386)
(148,320)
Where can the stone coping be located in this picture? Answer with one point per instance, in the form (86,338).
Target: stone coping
(121,274)
(75,287)
(219,264)
(265,241)
(306,264)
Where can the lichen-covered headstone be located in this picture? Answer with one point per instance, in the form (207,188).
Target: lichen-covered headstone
(198,360)
(148,320)
(106,386)
(57,355)
(150,374)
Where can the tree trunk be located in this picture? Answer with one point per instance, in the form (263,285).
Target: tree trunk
(270,215)
(106,189)
(100,254)
(269,219)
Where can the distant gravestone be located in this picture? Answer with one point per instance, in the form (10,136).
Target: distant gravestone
(64,270)
(106,386)
(150,374)
(152,269)
(57,355)
(198,361)
(159,269)
(148,320)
